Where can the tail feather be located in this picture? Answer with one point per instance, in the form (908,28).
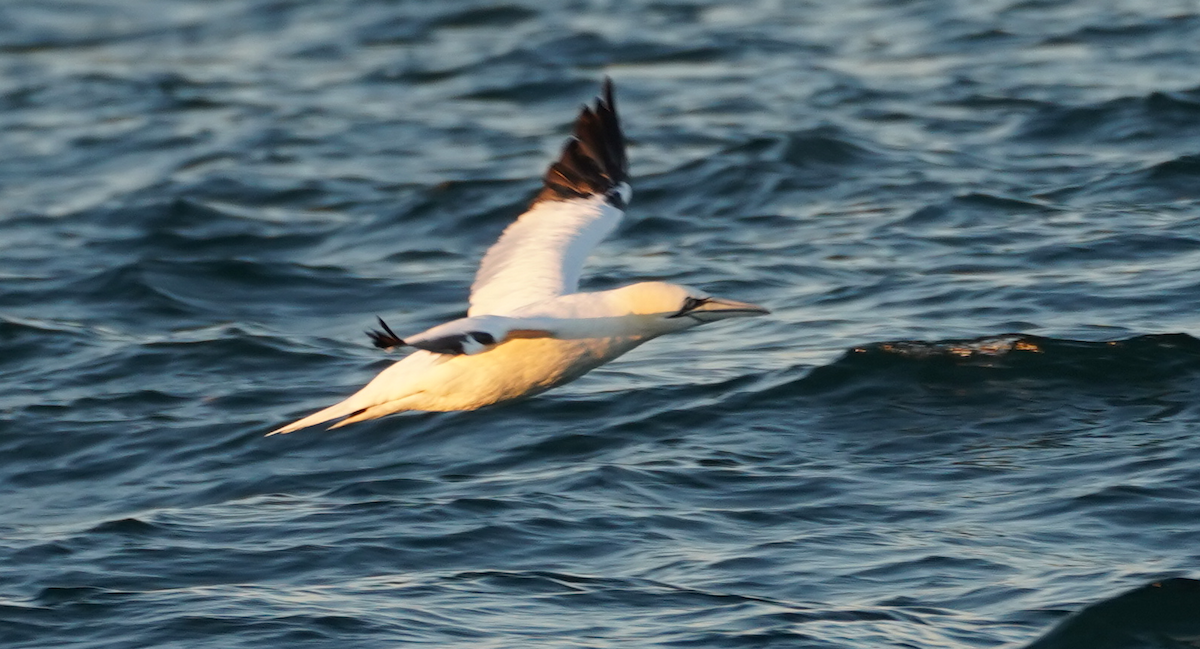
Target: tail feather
(372,412)
(350,406)
(392,390)
(354,409)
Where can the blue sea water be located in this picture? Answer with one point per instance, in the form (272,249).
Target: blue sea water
(971,421)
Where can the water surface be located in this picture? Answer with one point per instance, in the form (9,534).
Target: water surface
(972,413)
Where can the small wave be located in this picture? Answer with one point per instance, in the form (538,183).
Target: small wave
(1155,115)
(592,49)
(994,368)
(24,340)
(757,171)
(125,527)
(126,289)
(1176,179)
(531,91)
(968,210)
(1138,31)
(176,289)
(494,16)
(408,28)
(820,146)
(1147,357)
(195,227)
(1180,174)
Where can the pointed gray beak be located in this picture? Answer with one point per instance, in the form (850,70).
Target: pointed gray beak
(715,308)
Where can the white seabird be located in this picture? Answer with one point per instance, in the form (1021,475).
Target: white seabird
(528,330)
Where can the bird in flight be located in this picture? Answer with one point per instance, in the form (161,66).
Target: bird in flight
(528,328)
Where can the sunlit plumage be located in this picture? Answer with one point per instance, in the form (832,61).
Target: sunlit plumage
(527,329)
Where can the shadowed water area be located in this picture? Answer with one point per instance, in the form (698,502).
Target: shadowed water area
(970,421)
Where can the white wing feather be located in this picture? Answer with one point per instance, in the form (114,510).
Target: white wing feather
(541,255)
(584,193)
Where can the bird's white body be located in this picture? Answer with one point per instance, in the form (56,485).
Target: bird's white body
(518,368)
(591,329)
(528,330)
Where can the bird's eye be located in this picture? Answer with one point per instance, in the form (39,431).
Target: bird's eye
(690,304)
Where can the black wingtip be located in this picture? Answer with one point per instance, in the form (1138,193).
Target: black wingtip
(386,339)
(593,161)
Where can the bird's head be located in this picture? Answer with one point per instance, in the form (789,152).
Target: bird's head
(682,307)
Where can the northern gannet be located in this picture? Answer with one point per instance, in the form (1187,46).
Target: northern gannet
(527,329)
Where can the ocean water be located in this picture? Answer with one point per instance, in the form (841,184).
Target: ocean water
(971,421)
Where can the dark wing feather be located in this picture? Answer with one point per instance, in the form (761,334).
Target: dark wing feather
(593,161)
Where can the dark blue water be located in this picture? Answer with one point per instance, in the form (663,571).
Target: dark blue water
(973,412)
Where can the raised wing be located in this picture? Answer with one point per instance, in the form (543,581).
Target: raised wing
(541,255)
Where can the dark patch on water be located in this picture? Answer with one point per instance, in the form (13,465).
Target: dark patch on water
(1160,615)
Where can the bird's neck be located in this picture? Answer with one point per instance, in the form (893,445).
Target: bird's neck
(604,314)
(621,326)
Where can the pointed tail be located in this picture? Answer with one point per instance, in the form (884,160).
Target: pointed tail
(350,406)
(395,389)
(361,406)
